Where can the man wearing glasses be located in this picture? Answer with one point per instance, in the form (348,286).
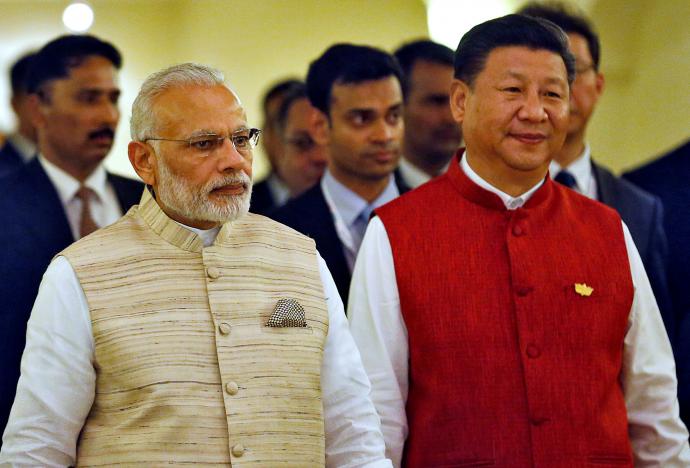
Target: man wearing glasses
(574,167)
(191,331)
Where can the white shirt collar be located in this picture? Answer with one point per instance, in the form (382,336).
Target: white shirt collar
(67,186)
(509,201)
(581,169)
(414,176)
(208,236)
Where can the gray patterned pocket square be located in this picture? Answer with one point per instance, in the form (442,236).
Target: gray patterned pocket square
(287,313)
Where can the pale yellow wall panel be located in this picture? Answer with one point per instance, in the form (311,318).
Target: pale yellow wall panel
(255,42)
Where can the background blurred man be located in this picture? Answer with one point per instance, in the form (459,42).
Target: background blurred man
(304,158)
(431,134)
(272,192)
(20,146)
(358,93)
(65,193)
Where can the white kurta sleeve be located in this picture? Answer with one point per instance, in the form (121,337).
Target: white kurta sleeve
(657,434)
(57,383)
(381,335)
(353,434)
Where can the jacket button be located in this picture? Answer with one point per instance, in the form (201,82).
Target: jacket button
(522,291)
(232,388)
(238,450)
(213,272)
(533,351)
(224,328)
(518,231)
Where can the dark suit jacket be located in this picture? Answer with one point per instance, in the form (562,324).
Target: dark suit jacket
(642,212)
(262,199)
(36,228)
(10,159)
(310,215)
(669,178)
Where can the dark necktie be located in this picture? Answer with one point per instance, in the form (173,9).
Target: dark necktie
(566,178)
(86,223)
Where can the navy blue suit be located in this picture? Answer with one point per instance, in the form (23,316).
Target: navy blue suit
(642,212)
(262,199)
(310,215)
(10,159)
(36,228)
(669,178)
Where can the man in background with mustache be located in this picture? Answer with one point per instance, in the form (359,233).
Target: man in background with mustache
(191,331)
(65,192)
(357,90)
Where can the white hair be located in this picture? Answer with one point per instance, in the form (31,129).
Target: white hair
(143,122)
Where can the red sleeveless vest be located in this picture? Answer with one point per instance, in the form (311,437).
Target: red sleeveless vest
(514,361)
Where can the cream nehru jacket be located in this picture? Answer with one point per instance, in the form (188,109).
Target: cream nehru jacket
(187,371)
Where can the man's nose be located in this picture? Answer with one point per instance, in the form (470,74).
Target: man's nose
(532,108)
(231,158)
(382,131)
(109,113)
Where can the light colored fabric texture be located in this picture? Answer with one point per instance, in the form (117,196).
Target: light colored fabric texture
(217,385)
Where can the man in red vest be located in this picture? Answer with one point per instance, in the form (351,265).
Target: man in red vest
(503,319)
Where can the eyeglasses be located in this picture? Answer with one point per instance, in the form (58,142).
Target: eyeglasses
(243,141)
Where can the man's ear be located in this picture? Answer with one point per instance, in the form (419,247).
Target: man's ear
(459,92)
(37,111)
(321,129)
(143,161)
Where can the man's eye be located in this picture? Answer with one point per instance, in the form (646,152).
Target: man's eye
(553,94)
(206,143)
(240,141)
(512,89)
(394,117)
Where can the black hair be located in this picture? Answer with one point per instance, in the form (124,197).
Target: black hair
(347,64)
(19,73)
(569,20)
(422,49)
(294,94)
(279,89)
(511,30)
(59,56)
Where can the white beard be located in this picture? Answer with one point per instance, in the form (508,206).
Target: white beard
(193,202)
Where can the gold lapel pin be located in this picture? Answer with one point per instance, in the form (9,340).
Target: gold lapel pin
(583,290)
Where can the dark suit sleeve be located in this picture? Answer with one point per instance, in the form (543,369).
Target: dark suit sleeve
(655,264)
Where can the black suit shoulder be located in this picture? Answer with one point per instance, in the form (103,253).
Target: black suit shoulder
(128,190)
(262,201)
(10,159)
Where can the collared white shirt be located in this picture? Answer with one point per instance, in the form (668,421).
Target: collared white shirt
(279,191)
(105,209)
(581,169)
(657,435)
(58,378)
(345,206)
(25,147)
(414,176)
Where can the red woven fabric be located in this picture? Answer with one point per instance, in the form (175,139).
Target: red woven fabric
(509,365)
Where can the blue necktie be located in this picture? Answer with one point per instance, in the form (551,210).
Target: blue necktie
(566,178)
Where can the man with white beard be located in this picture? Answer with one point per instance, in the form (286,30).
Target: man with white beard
(191,331)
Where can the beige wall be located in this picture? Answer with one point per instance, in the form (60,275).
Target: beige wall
(646,54)
(254,42)
(645,108)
